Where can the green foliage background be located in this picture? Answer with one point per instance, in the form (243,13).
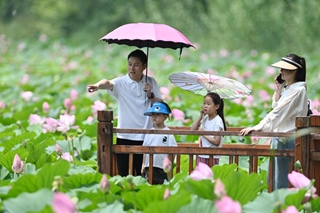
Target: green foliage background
(280,27)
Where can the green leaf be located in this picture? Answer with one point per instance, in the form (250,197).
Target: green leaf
(202,188)
(43,178)
(172,204)
(315,203)
(266,202)
(222,171)
(243,187)
(3,172)
(141,200)
(114,207)
(29,202)
(6,159)
(79,180)
(198,205)
(17,140)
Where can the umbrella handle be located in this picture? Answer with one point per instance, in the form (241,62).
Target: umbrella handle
(147,63)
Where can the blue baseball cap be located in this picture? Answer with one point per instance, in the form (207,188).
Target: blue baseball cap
(158,107)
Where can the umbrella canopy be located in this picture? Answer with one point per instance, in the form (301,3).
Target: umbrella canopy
(148,35)
(203,83)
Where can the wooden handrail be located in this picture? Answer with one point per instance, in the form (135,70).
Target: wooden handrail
(199,132)
(307,146)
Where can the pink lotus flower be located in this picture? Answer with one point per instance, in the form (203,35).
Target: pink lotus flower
(90,119)
(2,105)
(165,93)
(104,184)
(67,103)
(45,107)
(17,165)
(62,203)
(166,194)
(219,189)
(74,94)
(35,119)
(25,79)
(66,123)
(264,96)
(299,181)
(203,171)
(50,125)
(58,149)
(290,209)
(167,165)
(227,205)
(177,114)
(66,156)
(26,96)
(98,106)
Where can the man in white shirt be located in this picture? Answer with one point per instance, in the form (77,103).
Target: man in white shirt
(134,93)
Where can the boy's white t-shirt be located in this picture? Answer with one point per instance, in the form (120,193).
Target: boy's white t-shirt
(215,124)
(158,140)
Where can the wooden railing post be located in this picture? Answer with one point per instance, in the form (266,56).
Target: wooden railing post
(105,142)
(315,150)
(302,144)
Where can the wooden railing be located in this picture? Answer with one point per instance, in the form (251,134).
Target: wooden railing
(307,147)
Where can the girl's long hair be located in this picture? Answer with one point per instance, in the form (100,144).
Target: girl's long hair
(218,101)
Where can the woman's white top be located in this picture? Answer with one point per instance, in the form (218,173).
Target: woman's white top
(292,103)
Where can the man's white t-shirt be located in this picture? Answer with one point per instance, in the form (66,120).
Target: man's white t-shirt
(132,104)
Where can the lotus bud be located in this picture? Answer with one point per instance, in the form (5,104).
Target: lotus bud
(307,207)
(219,189)
(57,182)
(63,204)
(167,165)
(58,149)
(297,166)
(166,194)
(104,184)
(17,165)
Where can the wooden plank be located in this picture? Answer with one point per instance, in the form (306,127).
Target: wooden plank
(270,174)
(114,165)
(190,163)
(247,146)
(105,142)
(198,132)
(210,161)
(130,164)
(236,160)
(230,159)
(230,129)
(200,150)
(171,158)
(150,175)
(315,156)
(302,144)
(178,162)
(255,164)
(250,164)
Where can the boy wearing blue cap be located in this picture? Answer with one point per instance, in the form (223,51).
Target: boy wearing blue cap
(159,112)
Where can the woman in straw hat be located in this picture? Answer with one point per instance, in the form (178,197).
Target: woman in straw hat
(289,101)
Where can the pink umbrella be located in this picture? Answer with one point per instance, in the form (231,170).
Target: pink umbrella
(148,35)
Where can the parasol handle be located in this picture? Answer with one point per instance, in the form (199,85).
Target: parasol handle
(147,62)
